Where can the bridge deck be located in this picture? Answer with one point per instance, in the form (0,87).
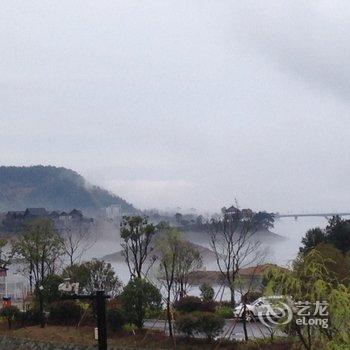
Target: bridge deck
(278,216)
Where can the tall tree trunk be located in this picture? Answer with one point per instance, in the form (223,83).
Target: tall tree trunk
(245,321)
(233,301)
(170,324)
(140,312)
(41,309)
(168,312)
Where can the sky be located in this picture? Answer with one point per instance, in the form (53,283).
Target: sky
(183,103)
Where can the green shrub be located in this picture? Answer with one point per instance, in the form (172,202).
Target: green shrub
(191,304)
(10,313)
(224,311)
(207,292)
(210,325)
(67,312)
(115,319)
(186,324)
(30,317)
(130,328)
(138,296)
(188,304)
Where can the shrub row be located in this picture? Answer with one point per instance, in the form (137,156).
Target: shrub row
(191,304)
(207,324)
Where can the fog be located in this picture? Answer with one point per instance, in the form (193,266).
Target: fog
(182,103)
(276,252)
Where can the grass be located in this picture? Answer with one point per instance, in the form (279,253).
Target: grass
(146,340)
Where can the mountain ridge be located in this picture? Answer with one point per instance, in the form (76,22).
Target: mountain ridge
(54,188)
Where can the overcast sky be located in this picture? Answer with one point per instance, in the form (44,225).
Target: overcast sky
(183,103)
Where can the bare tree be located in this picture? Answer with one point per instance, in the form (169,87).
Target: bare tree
(76,243)
(188,261)
(137,235)
(247,286)
(234,246)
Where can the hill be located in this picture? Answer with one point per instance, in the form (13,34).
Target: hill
(54,188)
(205,253)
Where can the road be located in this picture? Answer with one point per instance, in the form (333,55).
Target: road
(233,330)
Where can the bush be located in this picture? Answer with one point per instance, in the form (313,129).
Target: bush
(207,292)
(186,324)
(115,319)
(224,311)
(130,328)
(251,296)
(30,317)
(10,313)
(210,325)
(137,297)
(67,312)
(191,304)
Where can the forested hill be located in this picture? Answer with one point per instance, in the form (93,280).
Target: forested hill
(53,188)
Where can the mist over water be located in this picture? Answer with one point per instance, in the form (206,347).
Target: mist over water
(281,252)
(294,230)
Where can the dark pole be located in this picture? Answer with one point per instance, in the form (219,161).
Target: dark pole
(101,320)
(100,298)
(41,308)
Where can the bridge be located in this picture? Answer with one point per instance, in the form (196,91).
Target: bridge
(296,216)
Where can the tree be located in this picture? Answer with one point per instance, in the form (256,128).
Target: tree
(189,259)
(311,281)
(10,313)
(210,325)
(207,292)
(94,275)
(336,263)
(178,217)
(76,243)
(264,220)
(40,247)
(338,233)
(138,296)
(234,246)
(245,287)
(312,238)
(169,245)
(137,235)
(50,291)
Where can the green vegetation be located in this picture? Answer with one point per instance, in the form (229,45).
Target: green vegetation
(94,275)
(224,312)
(138,296)
(320,274)
(337,233)
(65,312)
(207,292)
(208,324)
(53,188)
